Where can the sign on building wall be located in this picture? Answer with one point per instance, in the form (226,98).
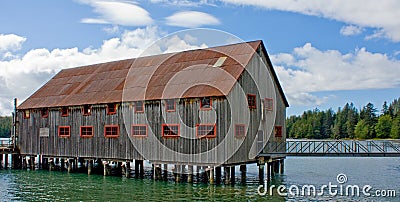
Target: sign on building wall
(44,132)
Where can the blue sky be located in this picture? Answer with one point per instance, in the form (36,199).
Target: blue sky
(326,53)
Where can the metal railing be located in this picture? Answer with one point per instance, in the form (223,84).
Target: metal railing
(292,147)
(6,143)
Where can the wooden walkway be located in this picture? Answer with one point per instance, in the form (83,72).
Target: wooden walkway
(7,147)
(331,148)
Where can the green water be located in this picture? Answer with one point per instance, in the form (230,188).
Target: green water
(23,185)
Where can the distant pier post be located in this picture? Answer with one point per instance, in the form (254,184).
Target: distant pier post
(5,161)
(282,166)
(158,172)
(211,177)
(1,161)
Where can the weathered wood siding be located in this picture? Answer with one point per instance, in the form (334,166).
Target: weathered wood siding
(186,149)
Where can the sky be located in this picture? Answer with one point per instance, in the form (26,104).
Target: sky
(325,53)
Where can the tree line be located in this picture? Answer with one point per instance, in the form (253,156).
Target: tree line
(5,126)
(347,122)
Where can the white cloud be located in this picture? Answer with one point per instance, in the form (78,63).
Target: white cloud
(117,13)
(351,30)
(307,70)
(22,75)
(11,42)
(381,15)
(183,3)
(191,19)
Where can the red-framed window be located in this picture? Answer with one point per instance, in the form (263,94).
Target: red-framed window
(206,131)
(44,112)
(278,131)
(27,114)
(170,130)
(111,108)
(205,103)
(86,131)
(64,131)
(269,104)
(139,107)
(240,130)
(139,130)
(64,111)
(86,110)
(111,131)
(170,105)
(251,101)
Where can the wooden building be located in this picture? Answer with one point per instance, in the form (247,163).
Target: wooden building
(209,107)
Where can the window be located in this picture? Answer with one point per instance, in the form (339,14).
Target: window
(111,108)
(205,130)
(278,131)
(170,130)
(111,131)
(139,106)
(44,112)
(251,101)
(139,130)
(27,114)
(86,110)
(205,103)
(269,104)
(86,131)
(170,105)
(64,111)
(240,130)
(64,131)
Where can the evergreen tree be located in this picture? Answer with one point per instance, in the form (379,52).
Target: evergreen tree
(362,130)
(383,126)
(395,130)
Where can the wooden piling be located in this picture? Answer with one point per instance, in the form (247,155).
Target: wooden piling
(137,172)
(227,175)
(1,161)
(127,169)
(218,175)
(70,165)
(190,174)
(62,161)
(276,167)
(51,165)
(282,166)
(243,170)
(268,171)
(158,172)
(211,175)
(5,161)
(141,169)
(32,162)
(165,172)
(177,173)
(233,175)
(261,166)
(89,166)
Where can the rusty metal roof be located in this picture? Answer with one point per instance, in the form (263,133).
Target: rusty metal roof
(174,75)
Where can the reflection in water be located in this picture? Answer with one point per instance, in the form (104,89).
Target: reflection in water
(16,185)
